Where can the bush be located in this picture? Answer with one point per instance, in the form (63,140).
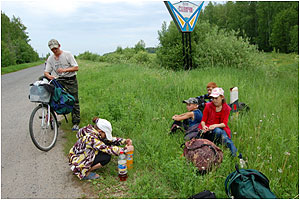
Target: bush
(140,57)
(210,47)
(88,56)
(225,49)
(136,55)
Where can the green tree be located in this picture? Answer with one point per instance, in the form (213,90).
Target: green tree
(294,36)
(119,50)
(268,24)
(283,28)
(7,56)
(15,48)
(140,46)
(169,51)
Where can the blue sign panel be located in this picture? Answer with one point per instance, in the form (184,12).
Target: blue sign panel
(185,14)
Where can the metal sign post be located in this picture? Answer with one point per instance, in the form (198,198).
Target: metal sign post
(185,15)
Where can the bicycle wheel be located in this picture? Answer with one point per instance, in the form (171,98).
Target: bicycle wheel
(43,132)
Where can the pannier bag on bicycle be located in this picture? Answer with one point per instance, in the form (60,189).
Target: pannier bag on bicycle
(248,184)
(39,92)
(61,101)
(204,154)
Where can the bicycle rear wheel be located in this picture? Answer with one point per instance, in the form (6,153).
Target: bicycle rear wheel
(43,132)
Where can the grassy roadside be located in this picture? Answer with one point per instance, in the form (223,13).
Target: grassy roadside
(14,68)
(140,101)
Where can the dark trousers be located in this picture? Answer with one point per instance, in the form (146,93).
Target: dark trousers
(102,158)
(71,86)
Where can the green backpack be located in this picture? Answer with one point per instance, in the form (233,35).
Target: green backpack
(61,101)
(248,184)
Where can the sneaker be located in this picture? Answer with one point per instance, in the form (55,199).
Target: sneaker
(75,127)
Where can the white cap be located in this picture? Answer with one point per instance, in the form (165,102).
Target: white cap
(217,92)
(105,126)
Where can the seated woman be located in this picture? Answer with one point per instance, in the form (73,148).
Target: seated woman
(193,118)
(94,148)
(214,124)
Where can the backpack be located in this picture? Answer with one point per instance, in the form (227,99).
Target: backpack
(192,132)
(206,194)
(248,184)
(61,101)
(204,154)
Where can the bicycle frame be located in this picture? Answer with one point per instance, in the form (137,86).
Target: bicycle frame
(48,116)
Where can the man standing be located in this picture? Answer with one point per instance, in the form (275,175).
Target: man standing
(63,65)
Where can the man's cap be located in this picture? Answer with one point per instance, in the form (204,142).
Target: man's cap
(53,43)
(105,126)
(191,100)
(217,92)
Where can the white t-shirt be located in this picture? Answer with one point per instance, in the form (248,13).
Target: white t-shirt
(65,60)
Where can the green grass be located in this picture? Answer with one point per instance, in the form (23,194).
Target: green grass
(139,102)
(14,68)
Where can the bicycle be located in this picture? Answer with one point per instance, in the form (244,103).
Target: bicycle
(43,124)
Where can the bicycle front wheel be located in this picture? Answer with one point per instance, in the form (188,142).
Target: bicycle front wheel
(43,132)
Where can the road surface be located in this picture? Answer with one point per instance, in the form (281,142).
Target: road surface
(27,172)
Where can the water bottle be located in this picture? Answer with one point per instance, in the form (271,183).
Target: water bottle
(242,162)
(129,156)
(122,166)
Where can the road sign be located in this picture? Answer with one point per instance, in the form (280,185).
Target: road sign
(185,14)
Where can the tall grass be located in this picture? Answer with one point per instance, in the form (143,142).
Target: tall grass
(14,68)
(139,102)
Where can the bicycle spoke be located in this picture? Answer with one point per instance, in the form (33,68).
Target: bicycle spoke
(43,128)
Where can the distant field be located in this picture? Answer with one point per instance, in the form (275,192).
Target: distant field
(140,101)
(14,68)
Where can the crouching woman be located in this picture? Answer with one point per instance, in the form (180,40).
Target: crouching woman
(94,148)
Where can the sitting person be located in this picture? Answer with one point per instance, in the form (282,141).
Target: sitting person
(193,117)
(202,100)
(94,148)
(214,125)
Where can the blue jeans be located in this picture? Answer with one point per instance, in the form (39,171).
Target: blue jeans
(218,135)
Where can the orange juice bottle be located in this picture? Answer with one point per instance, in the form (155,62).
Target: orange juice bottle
(129,156)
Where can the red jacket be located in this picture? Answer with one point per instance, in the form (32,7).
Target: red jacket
(209,114)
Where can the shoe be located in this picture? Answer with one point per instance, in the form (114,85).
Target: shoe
(91,176)
(75,127)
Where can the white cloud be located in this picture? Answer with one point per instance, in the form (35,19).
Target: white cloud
(96,26)
(50,7)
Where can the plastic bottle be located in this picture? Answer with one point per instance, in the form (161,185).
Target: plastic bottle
(122,166)
(242,162)
(129,156)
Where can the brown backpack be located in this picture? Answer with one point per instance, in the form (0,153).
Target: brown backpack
(203,153)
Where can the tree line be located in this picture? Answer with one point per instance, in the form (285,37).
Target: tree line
(271,25)
(15,47)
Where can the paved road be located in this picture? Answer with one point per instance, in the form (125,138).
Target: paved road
(27,172)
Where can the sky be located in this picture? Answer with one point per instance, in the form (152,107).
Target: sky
(91,25)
